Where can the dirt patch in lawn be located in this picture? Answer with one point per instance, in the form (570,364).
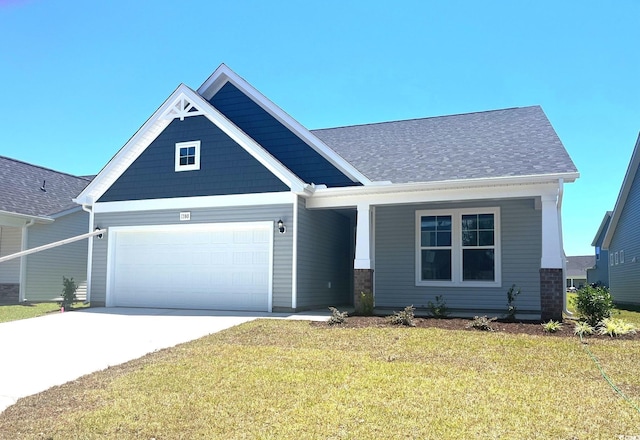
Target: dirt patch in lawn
(528,328)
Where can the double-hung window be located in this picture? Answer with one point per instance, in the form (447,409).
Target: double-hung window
(458,247)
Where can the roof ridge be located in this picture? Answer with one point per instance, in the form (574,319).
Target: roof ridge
(44,168)
(423,118)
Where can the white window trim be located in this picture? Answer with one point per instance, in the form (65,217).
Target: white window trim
(616,254)
(196,165)
(456,248)
(621,257)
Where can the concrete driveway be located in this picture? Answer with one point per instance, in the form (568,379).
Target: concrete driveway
(38,353)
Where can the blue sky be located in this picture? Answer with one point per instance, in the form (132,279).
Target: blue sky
(79,78)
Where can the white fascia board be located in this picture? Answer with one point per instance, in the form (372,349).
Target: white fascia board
(14,219)
(129,152)
(231,200)
(250,146)
(629,176)
(606,217)
(477,189)
(224,74)
(156,124)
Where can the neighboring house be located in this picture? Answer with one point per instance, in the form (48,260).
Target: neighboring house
(622,238)
(577,270)
(36,208)
(599,273)
(222,200)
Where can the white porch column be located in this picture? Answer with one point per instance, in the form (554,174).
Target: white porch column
(363,237)
(552,251)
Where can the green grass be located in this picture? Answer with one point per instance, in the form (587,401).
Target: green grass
(272,379)
(30,310)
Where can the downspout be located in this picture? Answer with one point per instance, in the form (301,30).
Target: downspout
(564,257)
(23,261)
(88,209)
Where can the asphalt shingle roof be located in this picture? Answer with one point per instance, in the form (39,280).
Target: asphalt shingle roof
(577,266)
(20,191)
(499,143)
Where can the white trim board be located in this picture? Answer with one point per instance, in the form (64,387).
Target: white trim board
(230,200)
(224,74)
(157,123)
(399,194)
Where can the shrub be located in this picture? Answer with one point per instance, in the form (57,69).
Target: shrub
(405,317)
(337,317)
(68,293)
(551,326)
(512,294)
(439,309)
(616,327)
(366,303)
(583,328)
(593,304)
(482,323)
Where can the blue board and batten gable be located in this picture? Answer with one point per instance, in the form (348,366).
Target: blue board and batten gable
(277,139)
(225,167)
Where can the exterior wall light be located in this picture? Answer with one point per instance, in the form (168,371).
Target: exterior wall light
(281,227)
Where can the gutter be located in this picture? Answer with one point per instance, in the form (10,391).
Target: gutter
(23,261)
(89,209)
(388,187)
(565,310)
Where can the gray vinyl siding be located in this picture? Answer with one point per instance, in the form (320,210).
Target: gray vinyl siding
(324,256)
(395,248)
(624,278)
(10,241)
(44,270)
(599,273)
(282,243)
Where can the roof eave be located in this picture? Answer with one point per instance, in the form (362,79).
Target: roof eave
(154,126)
(606,217)
(27,217)
(224,74)
(388,187)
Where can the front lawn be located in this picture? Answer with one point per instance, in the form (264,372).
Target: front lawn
(30,310)
(273,379)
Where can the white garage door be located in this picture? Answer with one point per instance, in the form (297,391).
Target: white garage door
(211,266)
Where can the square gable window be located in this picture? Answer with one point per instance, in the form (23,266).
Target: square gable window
(187,156)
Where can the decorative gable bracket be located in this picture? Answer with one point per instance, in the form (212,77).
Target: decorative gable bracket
(182,108)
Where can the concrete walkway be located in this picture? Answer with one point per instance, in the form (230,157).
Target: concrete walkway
(39,353)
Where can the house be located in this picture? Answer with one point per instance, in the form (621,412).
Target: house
(36,208)
(622,238)
(577,267)
(222,200)
(599,273)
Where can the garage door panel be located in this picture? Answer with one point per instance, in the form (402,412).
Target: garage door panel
(212,266)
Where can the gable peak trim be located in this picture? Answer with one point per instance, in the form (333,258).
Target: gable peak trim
(183,107)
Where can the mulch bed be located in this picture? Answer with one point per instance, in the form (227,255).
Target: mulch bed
(528,328)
